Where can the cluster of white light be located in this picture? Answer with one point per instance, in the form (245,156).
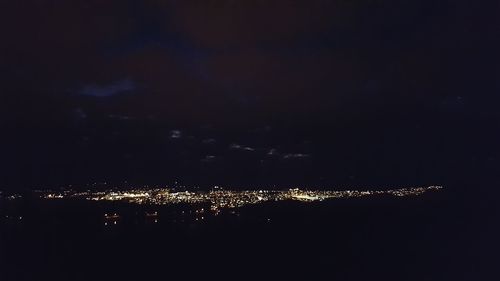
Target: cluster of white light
(219,199)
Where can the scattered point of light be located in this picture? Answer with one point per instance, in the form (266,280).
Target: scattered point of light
(221,198)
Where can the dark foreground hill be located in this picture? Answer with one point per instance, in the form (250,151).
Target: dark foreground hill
(428,237)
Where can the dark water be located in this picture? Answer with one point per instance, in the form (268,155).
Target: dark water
(431,237)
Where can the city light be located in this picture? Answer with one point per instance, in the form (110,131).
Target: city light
(226,199)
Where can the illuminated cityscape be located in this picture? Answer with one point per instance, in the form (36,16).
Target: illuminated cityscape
(221,198)
(259,139)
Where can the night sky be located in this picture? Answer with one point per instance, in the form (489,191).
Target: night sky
(325,93)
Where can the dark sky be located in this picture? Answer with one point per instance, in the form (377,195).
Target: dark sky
(244,92)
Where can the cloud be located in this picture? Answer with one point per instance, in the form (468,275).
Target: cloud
(208,158)
(272,151)
(79,114)
(296,156)
(175,134)
(120,117)
(241,147)
(228,24)
(103,91)
(209,141)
